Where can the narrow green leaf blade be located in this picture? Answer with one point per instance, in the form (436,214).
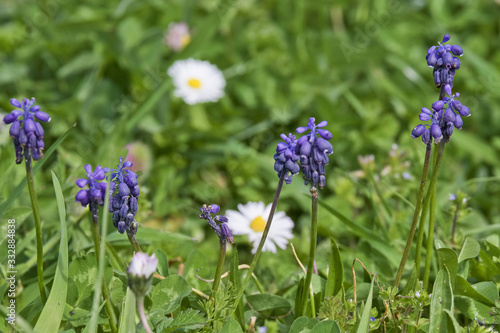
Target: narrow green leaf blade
(336,271)
(442,299)
(364,323)
(52,312)
(127,319)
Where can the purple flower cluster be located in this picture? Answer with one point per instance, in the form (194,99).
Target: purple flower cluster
(443,58)
(96,191)
(123,204)
(286,158)
(313,152)
(218,222)
(26,132)
(444,115)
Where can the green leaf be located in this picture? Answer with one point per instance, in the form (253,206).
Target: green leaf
(449,258)
(488,253)
(190,319)
(52,312)
(452,322)
(168,293)
(231,326)
(336,271)
(127,317)
(235,279)
(470,249)
(83,275)
(326,326)
(364,322)
(269,305)
(473,309)
(442,299)
(488,289)
(463,288)
(303,324)
(162,263)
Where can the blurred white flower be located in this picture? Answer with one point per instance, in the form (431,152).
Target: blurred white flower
(177,36)
(250,219)
(197,81)
(142,265)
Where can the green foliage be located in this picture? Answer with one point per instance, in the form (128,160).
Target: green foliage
(336,309)
(99,69)
(218,308)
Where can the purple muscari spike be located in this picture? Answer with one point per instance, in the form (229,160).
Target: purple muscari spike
(123,201)
(443,59)
(445,115)
(23,124)
(217,223)
(313,152)
(286,158)
(91,196)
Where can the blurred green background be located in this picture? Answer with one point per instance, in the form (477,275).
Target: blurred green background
(360,65)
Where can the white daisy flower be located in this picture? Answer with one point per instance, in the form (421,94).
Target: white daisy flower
(197,81)
(251,220)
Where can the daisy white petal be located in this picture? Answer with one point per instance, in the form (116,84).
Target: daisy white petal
(251,219)
(197,81)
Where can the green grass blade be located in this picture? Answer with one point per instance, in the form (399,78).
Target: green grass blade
(127,319)
(52,313)
(21,324)
(19,188)
(365,233)
(364,323)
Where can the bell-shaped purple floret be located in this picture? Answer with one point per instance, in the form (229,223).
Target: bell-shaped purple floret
(436,133)
(417,131)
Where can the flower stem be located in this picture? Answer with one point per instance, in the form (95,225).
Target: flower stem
(432,192)
(38,224)
(454,223)
(142,314)
(423,218)
(312,255)
(133,241)
(416,213)
(262,241)
(218,271)
(105,292)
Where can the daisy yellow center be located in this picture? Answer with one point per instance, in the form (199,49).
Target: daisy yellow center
(258,224)
(194,83)
(185,39)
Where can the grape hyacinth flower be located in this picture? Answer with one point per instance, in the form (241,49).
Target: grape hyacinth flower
(218,223)
(286,158)
(96,192)
(445,115)
(123,204)
(444,59)
(26,132)
(314,151)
